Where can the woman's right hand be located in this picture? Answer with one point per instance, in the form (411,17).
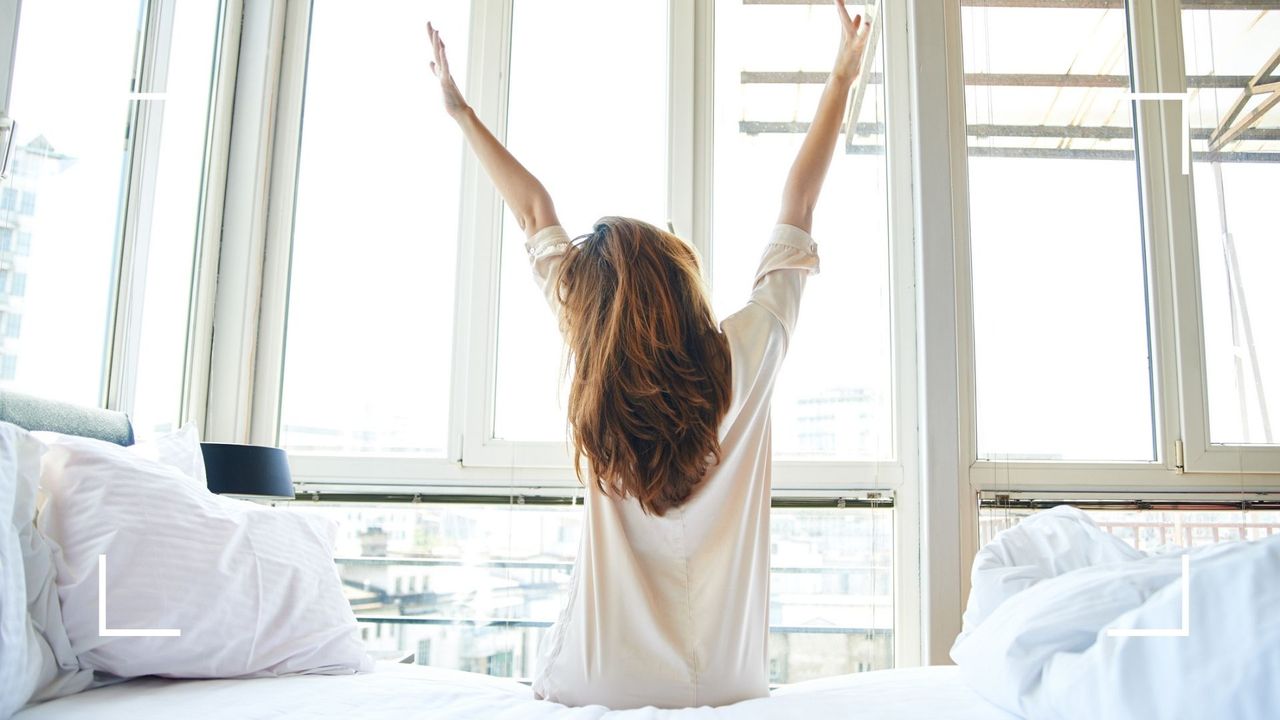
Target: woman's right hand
(454,103)
(853,43)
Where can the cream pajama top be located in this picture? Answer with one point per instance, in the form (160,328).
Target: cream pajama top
(673,611)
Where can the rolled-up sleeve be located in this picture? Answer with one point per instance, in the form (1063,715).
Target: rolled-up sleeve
(789,259)
(547,248)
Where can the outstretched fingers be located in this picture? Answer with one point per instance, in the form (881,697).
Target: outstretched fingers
(849,24)
(440,62)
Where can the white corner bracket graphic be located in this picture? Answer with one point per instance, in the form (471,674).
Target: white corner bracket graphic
(104,631)
(1184,631)
(1185,98)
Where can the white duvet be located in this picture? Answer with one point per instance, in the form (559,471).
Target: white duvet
(1045,592)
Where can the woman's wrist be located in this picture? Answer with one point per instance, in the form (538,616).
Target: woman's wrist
(462,114)
(844,76)
(839,85)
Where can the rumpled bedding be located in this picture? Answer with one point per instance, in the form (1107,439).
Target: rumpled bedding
(1046,591)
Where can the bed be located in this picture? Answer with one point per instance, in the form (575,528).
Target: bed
(1057,626)
(410,691)
(395,690)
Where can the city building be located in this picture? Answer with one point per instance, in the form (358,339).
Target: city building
(19,227)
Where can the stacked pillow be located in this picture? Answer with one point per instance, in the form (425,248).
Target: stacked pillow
(36,660)
(251,590)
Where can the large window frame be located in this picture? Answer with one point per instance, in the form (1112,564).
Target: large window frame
(954,477)
(475,457)
(244,377)
(1185,459)
(133,233)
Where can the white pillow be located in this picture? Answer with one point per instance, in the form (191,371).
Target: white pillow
(180,448)
(253,590)
(36,661)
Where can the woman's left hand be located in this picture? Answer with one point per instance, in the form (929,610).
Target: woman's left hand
(853,43)
(454,103)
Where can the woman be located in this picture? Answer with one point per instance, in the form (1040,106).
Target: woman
(670,593)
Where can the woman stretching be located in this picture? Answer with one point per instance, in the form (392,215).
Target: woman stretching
(670,412)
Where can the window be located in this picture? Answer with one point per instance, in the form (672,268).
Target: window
(1236,144)
(116,221)
(368,361)
(591,166)
(4,281)
(175,214)
(71,117)
(385,374)
(1061,339)
(495,577)
(834,397)
(8,367)
(506,383)
(10,324)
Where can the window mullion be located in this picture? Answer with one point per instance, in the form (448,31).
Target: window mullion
(472,398)
(244,222)
(205,273)
(690,58)
(131,271)
(268,359)
(944,318)
(1158,150)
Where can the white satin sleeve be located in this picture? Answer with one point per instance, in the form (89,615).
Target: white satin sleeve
(546,249)
(789,259)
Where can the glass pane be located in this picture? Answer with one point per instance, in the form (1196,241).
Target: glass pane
(183,118)
(587,114)
(1151,530)
(1237,234)
(834,396)
(474,587)
(1059,290)
(371,294)
(831,587)
(62,204)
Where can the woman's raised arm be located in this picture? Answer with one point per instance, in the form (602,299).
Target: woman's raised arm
(804,183)
(527,198)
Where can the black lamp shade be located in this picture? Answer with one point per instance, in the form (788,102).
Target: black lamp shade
(253,470)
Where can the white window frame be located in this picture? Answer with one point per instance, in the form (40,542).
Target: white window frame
(1185,462)
(246,366)
(1178,392)
(473,454)
(129,273)
(1197,453)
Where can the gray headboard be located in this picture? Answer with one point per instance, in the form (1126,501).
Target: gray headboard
(33,413)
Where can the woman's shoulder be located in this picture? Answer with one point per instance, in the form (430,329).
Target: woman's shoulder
(753,323)
(756,337)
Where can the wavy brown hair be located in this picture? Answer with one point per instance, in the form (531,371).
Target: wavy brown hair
(651,379)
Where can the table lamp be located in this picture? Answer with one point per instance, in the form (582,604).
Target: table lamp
(249,471)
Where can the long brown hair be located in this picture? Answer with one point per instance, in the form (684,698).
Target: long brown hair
(651,379)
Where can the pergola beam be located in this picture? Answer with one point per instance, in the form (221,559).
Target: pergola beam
(1230,82)
(1073,132)
(1070,4)
(1080,154)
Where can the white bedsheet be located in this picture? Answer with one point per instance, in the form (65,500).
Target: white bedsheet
(1046,591)
(405,692)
